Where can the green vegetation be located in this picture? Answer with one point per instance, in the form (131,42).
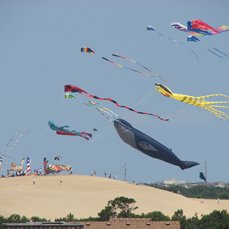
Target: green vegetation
(197,191)
(123,207)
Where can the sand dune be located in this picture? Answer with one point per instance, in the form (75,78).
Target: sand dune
(85,196)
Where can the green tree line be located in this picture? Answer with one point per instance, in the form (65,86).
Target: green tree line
(197,191)
(123,207)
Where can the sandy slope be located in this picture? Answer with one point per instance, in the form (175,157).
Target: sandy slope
(85,196)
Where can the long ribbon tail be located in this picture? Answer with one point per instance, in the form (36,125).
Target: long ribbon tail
(107,113)
(220,106)
(149,73)
(128,108)
(83,92)
(133,61)
(218,102)
(217,113)
(220,51)
(213,95)
(215,53)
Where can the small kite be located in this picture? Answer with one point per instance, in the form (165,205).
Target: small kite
(57,157)
(201,176)
(61,130)
(199,101)
(148,145)
(147,71)
(72,89)
(87,50)
(198,28)
(151,28)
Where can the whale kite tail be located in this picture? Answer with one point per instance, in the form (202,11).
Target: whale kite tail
(188,164)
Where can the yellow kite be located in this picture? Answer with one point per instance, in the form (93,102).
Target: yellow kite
(198,101)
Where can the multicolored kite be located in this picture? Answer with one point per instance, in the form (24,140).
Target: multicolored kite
(72,89)
(198,28)
(58,168)
(61,130)
(198,101)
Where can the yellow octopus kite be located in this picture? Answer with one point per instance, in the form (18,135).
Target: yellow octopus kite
(198,101)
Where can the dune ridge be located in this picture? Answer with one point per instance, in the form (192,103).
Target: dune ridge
(56,196)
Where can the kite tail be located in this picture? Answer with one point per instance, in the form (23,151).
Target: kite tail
(110,115)
(132,60)
(220,52)
(129,108)
(213,95)
(106,114)
(217,113)
(218,102)
(188,164)
(220,106)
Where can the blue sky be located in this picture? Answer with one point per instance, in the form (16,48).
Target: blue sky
(40,52)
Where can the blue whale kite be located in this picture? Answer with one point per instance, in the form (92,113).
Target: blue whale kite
(148,145)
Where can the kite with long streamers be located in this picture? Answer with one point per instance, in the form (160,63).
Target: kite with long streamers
(199,101)
(72,89)
(148,72)
(62,130)
(151,28)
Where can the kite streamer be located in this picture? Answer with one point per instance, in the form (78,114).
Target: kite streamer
(72,89)
(219,53)
(107,113)
(151,28)
(199,101)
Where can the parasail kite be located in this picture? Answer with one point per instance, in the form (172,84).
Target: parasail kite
(58,168)
(147,71)
(61,130)
(198,28)
(199,101)
(72,89)
(148,145)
